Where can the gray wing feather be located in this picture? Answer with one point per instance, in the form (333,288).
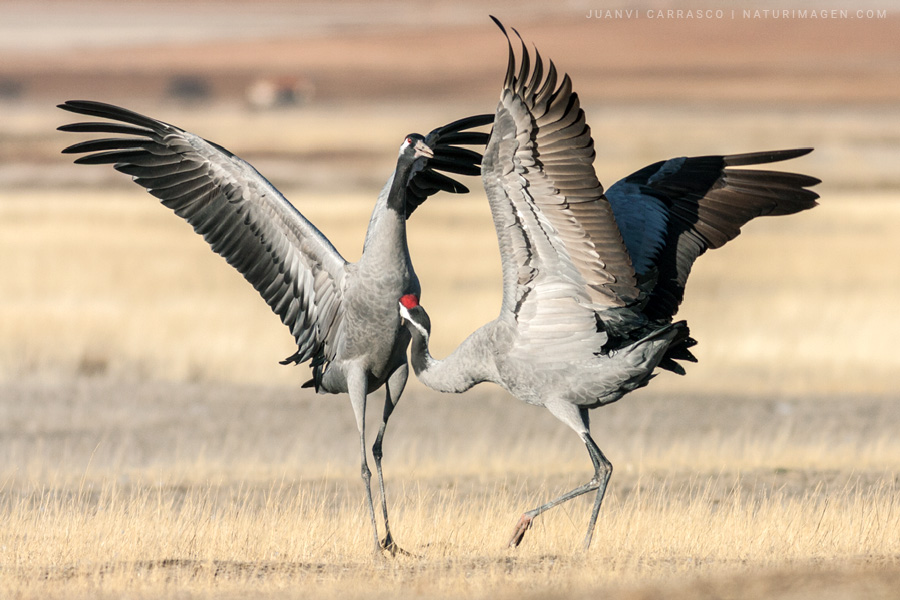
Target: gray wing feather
(238,212)
(554,224)
(672,211)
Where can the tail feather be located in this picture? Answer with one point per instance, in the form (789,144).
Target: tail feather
(632,366)
(679,349)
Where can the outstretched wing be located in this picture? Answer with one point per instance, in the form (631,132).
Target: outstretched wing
(559,242)
(670,212)
(237,211)
(448,156)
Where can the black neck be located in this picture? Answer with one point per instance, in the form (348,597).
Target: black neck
(397,195)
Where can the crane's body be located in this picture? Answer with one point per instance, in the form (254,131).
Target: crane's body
(342,315)
(498,353)
(591,279)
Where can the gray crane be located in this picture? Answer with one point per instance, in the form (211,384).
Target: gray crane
(591,282)
(342,315)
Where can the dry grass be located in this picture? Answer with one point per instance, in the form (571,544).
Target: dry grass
(207,540)
(150,490)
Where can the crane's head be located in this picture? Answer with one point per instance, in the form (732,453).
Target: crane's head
(414,316)
(414,147)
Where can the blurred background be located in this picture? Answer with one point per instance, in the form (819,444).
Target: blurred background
(99,281)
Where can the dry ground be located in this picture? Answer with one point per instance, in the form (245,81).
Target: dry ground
(151,446)
(198,490)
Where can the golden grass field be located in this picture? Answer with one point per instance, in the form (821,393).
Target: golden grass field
(153,447)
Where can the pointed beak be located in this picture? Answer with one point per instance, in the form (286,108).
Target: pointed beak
(422,149)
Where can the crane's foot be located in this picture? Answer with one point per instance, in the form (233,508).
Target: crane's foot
(388,545)
(522,526)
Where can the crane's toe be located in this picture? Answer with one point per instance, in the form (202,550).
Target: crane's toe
(522,526)
(388,545)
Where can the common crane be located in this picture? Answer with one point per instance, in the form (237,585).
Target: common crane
(591,282)
(342,315)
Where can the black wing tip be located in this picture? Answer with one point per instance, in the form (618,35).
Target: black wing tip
(800,151)
(511,61)
(476,121)
(456,188)
(71,105)
(83,106)
(79,107)
(797,180)
(294,359)
(810,181)
(463,138)
(765,157)
(103,110)
(73,149)
(461,125)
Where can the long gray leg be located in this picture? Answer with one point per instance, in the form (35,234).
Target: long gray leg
(602,473)
(578,419)
(393,390)
(358,388)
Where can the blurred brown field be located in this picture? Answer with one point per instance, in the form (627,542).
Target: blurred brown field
(154,447)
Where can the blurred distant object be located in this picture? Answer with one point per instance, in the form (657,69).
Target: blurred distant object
(11,89)
(276,92)
(188,88)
